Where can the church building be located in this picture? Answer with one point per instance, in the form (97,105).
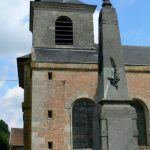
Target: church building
(79,95)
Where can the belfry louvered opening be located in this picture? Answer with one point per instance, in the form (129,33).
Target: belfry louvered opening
(63,31)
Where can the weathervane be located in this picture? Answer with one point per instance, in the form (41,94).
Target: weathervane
(106,3)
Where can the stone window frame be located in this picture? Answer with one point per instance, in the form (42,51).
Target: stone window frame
(71,134)
(59,25)
(147,117)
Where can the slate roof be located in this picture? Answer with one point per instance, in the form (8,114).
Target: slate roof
(25,57)
(136,55)
(133,55)
(16,137)
(65,56)
(73,1)
(63,1)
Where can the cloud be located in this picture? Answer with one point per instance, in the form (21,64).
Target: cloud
(10,107)
(15,39)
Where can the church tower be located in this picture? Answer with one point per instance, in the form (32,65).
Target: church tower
(75,93)
(59,24)
(59,77)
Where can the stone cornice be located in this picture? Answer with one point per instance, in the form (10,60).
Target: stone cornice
(138,69)
(64,6)
(54,66)
(84,67)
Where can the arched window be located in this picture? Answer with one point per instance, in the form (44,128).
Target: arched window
(141,123)
(63,31)
(82,124)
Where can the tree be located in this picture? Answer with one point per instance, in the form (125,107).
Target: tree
(4,136)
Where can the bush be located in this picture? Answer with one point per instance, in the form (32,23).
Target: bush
(4,136)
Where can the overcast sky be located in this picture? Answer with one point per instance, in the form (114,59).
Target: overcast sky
(15,41)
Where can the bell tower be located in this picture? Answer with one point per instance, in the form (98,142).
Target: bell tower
(55,74)
(62,24)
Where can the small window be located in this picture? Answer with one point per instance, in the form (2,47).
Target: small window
(50,75)
(63,31)
(50,114)
(50,145)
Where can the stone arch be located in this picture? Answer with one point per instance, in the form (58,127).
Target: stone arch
(142,121)
(82,123)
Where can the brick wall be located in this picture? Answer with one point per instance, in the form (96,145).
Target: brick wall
(58,95)
(139,86)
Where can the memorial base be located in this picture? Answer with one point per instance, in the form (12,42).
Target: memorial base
(118,127)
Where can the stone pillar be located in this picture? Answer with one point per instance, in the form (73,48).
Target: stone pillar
(118,130)
(26,106)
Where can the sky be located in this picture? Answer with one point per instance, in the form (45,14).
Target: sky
(16,41)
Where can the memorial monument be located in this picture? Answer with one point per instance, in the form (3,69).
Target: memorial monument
(118,129)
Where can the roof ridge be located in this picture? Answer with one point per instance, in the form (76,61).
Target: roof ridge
(16,128)
(73,1)
(136,46)
(63,1)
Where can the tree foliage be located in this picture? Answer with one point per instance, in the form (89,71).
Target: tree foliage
(4,136)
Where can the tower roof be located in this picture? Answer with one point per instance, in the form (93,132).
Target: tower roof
(63,1)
